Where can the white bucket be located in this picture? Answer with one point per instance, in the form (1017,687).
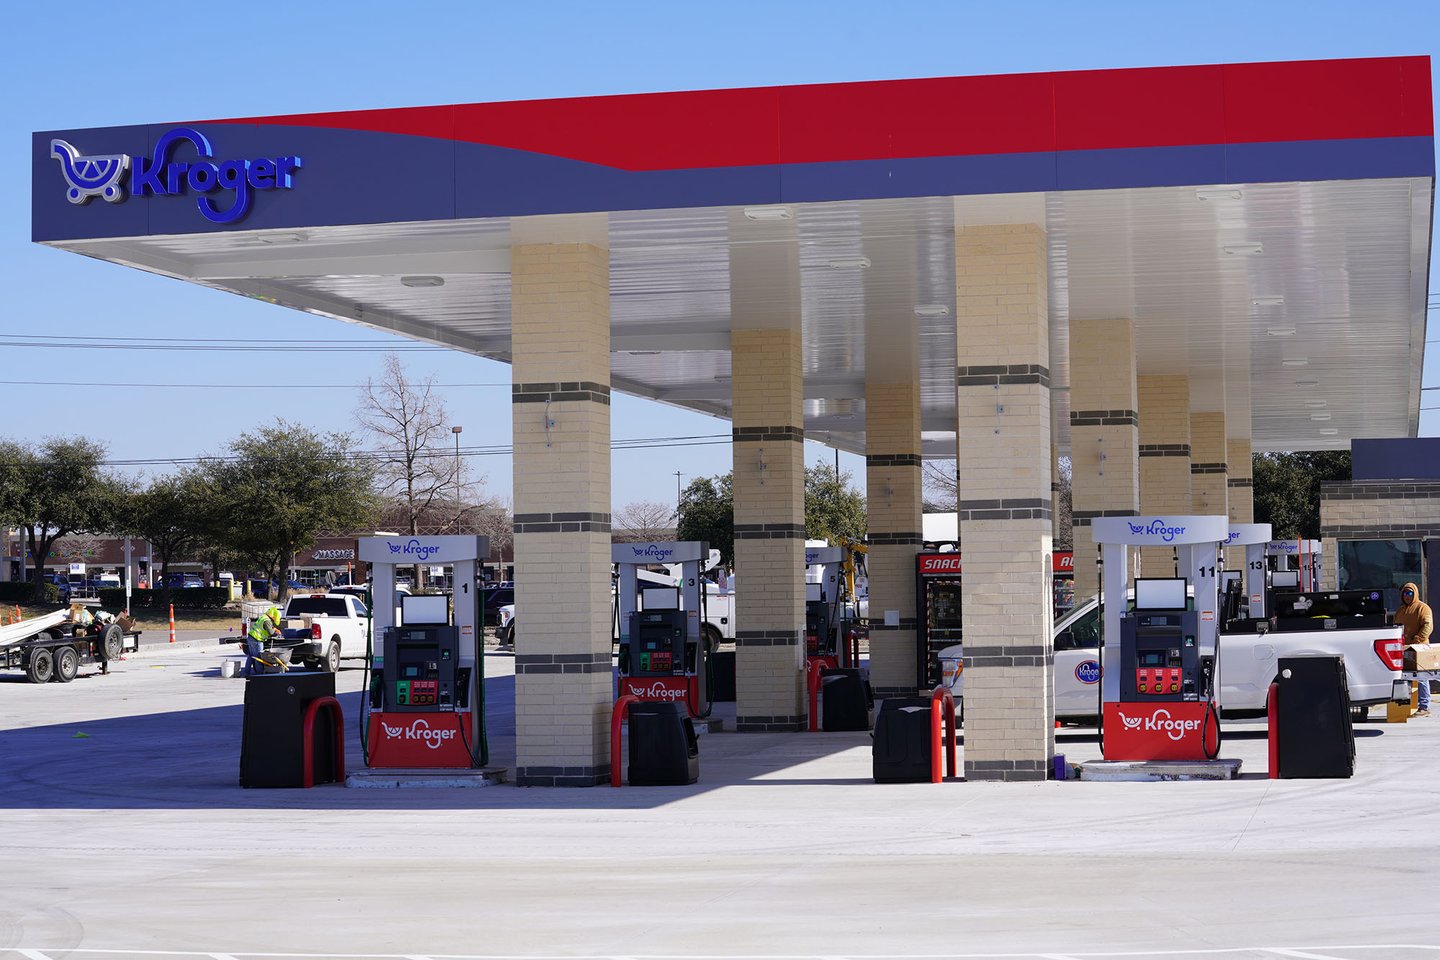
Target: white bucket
(229,668)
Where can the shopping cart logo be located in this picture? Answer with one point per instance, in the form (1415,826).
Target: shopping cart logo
(165,174)
(92,176)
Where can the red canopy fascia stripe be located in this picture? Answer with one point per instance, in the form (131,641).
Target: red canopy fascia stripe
(956,116)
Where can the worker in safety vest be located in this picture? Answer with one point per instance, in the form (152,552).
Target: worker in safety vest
(265,628)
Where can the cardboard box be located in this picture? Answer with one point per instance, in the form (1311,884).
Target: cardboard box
(1422,656)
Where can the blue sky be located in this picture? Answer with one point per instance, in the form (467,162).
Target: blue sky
(83,63)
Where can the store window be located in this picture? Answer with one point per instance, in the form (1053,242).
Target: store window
(1378,564)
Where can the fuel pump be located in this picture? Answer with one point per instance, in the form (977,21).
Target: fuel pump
(1159,672)
(425,705)
(825,625)
(664,655)
(1255,538)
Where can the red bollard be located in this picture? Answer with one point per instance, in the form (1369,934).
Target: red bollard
(1272,711)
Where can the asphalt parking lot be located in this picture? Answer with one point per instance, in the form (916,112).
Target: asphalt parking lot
(125,835)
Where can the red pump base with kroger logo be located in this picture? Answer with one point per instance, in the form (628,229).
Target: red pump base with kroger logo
(1160,731)
(407,740)
(683,690)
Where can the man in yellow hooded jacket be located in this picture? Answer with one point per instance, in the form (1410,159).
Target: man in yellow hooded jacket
(1417,621)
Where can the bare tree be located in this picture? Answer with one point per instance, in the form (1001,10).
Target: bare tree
(644,520)
(495,520)
(939,487)
(414,470)
(941,493)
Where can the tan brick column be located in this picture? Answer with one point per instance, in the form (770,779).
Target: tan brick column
(1104,435)
(1240,480)
(769,482)
(1164,459)
(1003,452)
(560,318)
(893,502)
(1209,469)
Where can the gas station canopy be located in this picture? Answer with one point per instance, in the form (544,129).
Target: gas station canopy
(1267,226)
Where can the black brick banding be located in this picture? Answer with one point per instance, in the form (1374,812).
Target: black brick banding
(769,724)
(1020,508)
(1209,468)
(1104,418)
(907,538)
(560,391)
(562,523)
(893,460)
(562,776)
(1082,518)
(992,376)
(769,531)
(1164,449)
(775,434)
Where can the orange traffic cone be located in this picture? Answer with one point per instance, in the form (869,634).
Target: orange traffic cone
(172,623)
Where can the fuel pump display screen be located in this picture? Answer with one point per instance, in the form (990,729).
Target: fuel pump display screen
(1150,658)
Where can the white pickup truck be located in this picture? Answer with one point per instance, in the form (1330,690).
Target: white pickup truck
(332,627)
(1248,663)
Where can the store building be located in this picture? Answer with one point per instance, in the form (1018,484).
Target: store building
(1154,271)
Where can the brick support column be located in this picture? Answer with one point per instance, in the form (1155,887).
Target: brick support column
(1104,435)
(769,482)
(1208,467)
(1164,459)
(1003,452)
(892,480)
(1240,482)
(560,317)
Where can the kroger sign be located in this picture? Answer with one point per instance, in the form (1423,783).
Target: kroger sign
(1157,528)
(162,174)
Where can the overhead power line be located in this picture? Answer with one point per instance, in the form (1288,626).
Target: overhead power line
(227,386)
(491,450)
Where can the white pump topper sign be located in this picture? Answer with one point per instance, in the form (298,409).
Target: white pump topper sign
(1159,531)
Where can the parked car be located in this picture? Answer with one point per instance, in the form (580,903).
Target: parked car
(184,581)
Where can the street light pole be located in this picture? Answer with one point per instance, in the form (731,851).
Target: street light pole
(677,502)
(456,431)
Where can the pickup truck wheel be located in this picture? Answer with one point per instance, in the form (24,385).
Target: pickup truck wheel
(331,663)
(713,637)
(41,666)
(67,664)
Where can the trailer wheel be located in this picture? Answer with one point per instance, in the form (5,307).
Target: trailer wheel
(67,664)
(113,640)
(41,665)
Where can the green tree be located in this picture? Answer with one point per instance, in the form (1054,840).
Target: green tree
(707,512)
(1287,489)
(833,508)
(170,513)
(55,489)
(280,487)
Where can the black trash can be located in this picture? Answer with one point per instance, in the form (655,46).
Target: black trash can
(664,750)
(901,752)
(272,740)
(1314,729)
(843,703)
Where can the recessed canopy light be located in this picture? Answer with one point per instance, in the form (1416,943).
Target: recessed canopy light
(1295,362)
(722,378)
(643,353)
(423,281)
(932,310)
(772,212)
(1319,417)
(850,263)
(1328,431)
(1242,249)
(1217,194)
(282,238)
(1267,301)
(1317,403)
(1280,332)
(1307,383)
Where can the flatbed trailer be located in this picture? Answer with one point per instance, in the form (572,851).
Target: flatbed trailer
(52,647)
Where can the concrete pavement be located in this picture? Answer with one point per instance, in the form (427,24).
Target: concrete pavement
(135,836)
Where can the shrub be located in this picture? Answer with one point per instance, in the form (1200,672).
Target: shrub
(189,598)
(24,592)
